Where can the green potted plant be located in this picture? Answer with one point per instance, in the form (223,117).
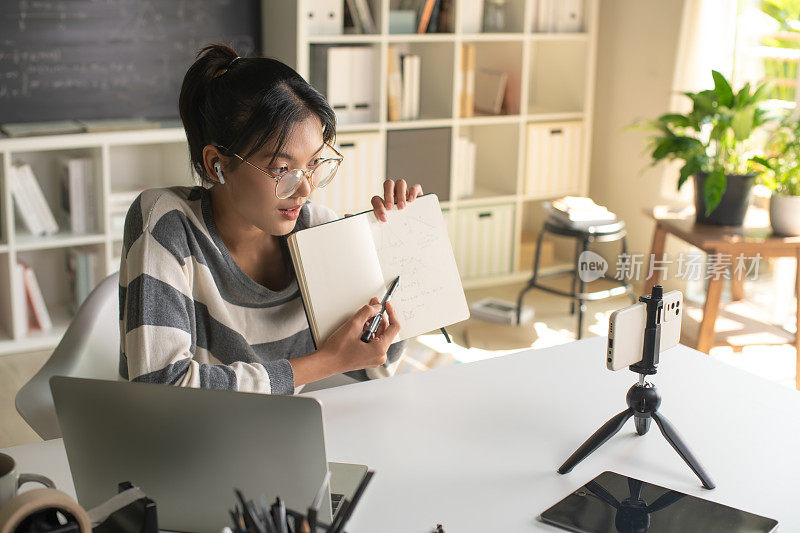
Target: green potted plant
(780,168)
(714,140)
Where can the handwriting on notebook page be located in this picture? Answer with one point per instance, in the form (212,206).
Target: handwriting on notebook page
(414,247)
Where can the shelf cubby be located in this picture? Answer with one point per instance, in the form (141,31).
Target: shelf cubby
(421,156)
(496,160)
(436,80)
(557,81)
(505,56)
(47,166)
(152,165)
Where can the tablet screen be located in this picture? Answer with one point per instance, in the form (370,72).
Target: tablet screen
(612,503)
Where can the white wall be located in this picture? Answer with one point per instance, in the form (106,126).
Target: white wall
(637,47)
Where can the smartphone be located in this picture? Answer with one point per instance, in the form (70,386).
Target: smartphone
(626,330)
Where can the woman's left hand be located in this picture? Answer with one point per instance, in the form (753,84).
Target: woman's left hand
(394,191)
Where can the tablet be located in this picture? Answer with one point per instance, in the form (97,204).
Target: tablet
(612,503)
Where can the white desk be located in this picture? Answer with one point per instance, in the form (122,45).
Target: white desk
(475,447)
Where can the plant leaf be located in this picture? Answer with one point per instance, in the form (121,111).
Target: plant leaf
(713,189)
(690,168)
(723,89)
(742,123)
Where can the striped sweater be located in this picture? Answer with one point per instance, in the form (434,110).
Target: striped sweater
(190,316)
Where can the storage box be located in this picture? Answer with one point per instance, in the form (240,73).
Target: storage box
(553,167)
(482,244)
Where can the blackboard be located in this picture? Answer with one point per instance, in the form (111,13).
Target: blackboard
(96,59)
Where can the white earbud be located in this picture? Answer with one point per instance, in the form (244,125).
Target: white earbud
(218,168)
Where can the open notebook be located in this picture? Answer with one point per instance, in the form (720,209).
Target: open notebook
(340,265)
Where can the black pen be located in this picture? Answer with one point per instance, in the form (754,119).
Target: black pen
(376,320)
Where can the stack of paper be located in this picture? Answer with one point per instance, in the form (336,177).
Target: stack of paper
(464,167)
(579,212)
(32,206)
(79,194)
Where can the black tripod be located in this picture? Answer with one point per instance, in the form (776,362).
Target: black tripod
(643,400)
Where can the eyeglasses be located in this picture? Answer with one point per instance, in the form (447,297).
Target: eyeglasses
(287,183)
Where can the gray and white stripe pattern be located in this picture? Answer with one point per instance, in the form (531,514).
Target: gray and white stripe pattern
(190,317)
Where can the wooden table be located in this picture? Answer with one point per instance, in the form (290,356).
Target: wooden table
(720,242)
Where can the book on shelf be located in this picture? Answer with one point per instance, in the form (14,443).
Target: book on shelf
(425,15)
(370,254)
(490,90)
(558,16)
(82,271)
(79,194)
(467,80)
(394,84)
(38,317)
(465,167)
(360,15)
(409,96)
(32,206)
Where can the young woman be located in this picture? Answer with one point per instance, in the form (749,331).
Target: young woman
(208,297)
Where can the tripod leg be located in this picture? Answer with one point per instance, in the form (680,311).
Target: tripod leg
(675,440)
(606,431)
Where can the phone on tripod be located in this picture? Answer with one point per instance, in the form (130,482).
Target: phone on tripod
(626,330)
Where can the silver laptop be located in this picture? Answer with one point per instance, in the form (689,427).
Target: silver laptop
(187,449)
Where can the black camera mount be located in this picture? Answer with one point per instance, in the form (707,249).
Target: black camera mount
(643,399)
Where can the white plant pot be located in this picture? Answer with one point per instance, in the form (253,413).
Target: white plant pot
(784,214)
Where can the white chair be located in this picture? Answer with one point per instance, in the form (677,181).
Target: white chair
(89,349)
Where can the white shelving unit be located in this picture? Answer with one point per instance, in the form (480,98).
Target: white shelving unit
(551,79)
(157,158)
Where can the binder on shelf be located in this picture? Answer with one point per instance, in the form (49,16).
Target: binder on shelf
(553,166)
(323,17)
(345,75)
(467,79)
(490,89)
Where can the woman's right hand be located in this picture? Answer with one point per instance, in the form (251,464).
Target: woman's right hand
(345,343)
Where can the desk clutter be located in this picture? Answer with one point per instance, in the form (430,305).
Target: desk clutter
(250,517)
(49,510)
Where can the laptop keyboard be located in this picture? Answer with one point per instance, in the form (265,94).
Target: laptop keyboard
(336,500)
